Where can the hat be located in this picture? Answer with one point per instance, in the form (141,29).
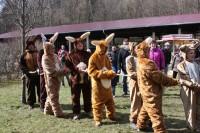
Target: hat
(186,47)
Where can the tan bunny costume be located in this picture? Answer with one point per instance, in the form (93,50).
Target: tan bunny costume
(101,73)
(52,75)
(135,96)
(189,73)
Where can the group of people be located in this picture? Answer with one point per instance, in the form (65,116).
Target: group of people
(95,75)
(146,73)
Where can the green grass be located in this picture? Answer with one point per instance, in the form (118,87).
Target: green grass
(17,118)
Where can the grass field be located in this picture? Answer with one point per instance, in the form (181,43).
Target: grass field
(17,118)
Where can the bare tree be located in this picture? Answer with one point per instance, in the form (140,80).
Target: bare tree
(25,15)
(90,11)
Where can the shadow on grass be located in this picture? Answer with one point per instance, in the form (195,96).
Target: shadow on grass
(176,126)
(170,95)
(122,96)
(125,106)
(66,106)
(122,118)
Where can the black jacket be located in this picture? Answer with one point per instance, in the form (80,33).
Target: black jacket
(123,53)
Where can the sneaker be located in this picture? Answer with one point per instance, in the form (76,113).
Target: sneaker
(133,126)
(98,124)
(76,117)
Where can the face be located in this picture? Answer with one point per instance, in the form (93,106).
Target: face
(101,49)
(166,46)
(31,47)
(79,46)
(51,50)
(190,55)
(125,41)
(153,45)
(114,48)
(63,47)
(38,45)
(134,51)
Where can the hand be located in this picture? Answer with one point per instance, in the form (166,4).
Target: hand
(65,69)
(186,83)
(111,73)
(181,82)
(119,71)
(82,71)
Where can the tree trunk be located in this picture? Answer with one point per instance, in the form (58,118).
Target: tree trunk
(23,49)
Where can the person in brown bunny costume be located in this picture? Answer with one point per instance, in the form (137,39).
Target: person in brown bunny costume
(101,73)
(77,62)
(150,82)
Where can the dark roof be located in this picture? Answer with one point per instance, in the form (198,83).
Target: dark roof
(113,25)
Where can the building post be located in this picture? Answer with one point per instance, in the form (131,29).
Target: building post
(153,35)
(179,30)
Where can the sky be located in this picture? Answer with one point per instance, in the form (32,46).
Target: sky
(1,5)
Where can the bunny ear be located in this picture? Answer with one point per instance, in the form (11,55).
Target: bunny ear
(85,35)
(95,43)
(148,40)
(54,37)
(70,39)
(44,39)
(109,38)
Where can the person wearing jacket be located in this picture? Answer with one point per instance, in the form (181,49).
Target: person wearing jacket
(157,55)
(28,65)
(123,53)
(114,58)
